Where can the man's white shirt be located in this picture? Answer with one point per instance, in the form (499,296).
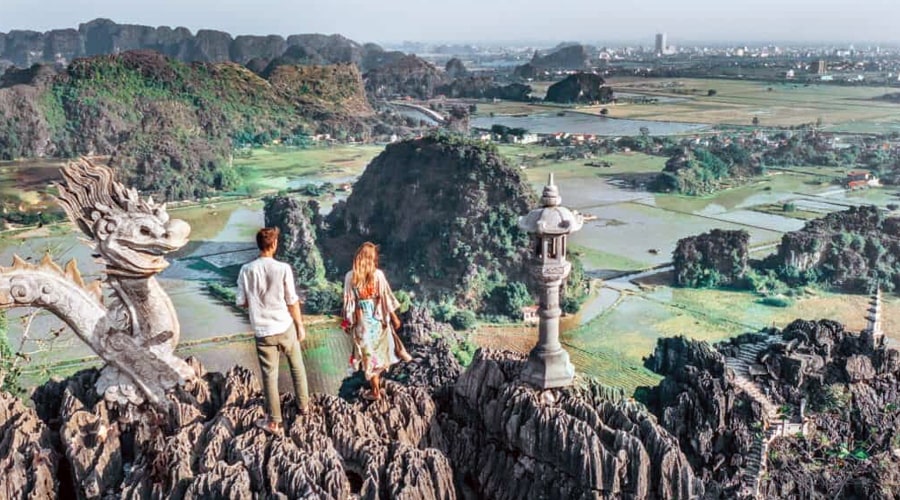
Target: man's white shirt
(267,287)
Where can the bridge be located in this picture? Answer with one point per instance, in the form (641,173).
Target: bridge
(430,113)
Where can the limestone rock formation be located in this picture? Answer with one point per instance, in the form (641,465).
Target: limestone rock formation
(104,37)
(840,386)
(154,106)
(580,88)
(585,441)
(719,257)
(484,87)
(27,457)
(850,250)
(698,403)
(443,210)
(436,435)
(407,76)
(455,68)
(297,243)
(565,58)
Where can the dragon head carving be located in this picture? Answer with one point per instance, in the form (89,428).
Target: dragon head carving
(133,235)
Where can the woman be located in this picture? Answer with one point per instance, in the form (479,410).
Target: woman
(369,317)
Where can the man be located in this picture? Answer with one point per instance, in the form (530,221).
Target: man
(266,287)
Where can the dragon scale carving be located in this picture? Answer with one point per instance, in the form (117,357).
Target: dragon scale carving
(136,332)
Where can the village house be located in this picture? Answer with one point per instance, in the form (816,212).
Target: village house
(860,179)
(530,315)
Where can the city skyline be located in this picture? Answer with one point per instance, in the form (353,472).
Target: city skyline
(699,21)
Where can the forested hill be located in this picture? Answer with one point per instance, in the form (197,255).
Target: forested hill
(444,211)
(169,126)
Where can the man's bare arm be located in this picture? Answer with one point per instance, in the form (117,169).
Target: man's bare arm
(294,309)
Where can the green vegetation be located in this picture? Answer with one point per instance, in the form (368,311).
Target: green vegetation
(452,246)
(463,350)
(224,293)
(279,168)
(10,371)
(324,297)
(171,126)
(736,101)
(704,170)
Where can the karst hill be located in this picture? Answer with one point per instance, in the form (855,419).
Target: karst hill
(170,126)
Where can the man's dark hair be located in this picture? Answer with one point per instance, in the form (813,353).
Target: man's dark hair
(267,238)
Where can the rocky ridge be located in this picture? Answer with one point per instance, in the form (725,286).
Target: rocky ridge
(437,434)
(837,385)
(406,76)
(853,250)
(575,57)
(24,48)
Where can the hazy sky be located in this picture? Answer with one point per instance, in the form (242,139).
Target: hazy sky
(487,20)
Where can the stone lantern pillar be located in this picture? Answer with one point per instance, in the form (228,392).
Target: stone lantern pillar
(548,364)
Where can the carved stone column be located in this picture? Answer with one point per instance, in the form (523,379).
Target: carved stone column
(548,363)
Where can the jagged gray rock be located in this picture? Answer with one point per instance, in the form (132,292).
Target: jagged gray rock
(27,458)
(513,441)
(433,436)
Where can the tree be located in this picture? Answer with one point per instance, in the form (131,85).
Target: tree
(324,298)
(511,298)
(463,320)
(604,111)
(755,120)
(711,92)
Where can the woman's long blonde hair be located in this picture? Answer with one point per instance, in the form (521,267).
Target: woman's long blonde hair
(364,265)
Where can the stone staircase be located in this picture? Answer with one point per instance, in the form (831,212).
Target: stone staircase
(773,425)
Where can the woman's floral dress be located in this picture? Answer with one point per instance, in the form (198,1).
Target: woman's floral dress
(373,340)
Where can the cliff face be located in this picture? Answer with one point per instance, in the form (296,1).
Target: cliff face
(700,405)
(436,435)
(580,442)
(444,212)
(407,76)
(580,88)
(854,250)
(103,37)
(716,258)
(168,125)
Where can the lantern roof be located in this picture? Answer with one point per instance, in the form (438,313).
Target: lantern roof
(551,218)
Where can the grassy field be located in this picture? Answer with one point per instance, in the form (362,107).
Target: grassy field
(737,102)
(628,333)
(275,169)
(598,259)
(604,365)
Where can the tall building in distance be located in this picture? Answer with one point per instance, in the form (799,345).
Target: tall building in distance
(820,67)
(660,44)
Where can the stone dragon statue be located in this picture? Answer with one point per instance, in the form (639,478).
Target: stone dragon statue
(134,329)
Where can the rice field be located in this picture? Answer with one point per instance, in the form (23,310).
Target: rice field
(737,102)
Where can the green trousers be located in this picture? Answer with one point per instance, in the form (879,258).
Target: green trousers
(268,349)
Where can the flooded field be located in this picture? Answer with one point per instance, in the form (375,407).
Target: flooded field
(629,230)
